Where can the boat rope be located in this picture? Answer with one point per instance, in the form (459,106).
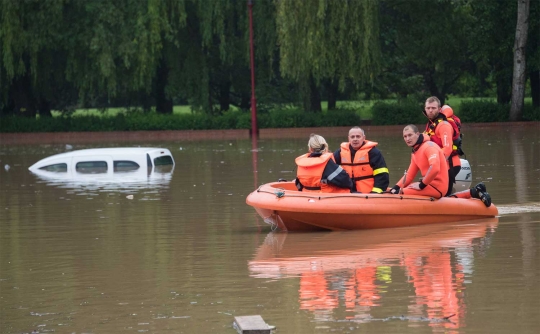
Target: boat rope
(280,193)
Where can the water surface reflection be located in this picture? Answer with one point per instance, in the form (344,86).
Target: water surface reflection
(352,273)
(186,254)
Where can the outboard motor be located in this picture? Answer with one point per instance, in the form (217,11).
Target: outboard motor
(464,177)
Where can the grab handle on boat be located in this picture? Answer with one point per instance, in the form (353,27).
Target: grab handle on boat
(280,192)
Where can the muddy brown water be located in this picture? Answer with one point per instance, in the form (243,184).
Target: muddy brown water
(186,254)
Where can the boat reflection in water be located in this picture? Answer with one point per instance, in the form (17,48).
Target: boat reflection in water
(363,270)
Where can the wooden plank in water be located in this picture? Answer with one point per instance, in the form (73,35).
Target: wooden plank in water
(251,324)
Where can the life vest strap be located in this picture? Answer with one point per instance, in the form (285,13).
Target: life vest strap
(354,163)
(360,178)
(312,188)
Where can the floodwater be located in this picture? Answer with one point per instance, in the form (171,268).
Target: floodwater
(181,252)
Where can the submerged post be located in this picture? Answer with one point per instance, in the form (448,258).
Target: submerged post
(251,324)
(254,129)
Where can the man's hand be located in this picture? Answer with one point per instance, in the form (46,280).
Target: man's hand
(395,189)
(414,185)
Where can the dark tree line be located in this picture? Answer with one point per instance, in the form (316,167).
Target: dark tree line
(145,54)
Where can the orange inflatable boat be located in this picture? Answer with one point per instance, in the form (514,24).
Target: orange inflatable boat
(282,206)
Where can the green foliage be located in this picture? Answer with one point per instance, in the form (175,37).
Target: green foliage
(531,113)
(195,121)
(480,111)
(325,39)
(403,112)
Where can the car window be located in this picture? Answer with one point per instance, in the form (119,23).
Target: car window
(125,166)
(91,167)
(57,168)
(163,160)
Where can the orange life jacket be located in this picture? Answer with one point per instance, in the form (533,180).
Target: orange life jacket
(359,170)
(310,171)
(454,121)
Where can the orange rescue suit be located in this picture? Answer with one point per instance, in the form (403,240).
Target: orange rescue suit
(445,133)
(429,159)
(310,171)
(359,170)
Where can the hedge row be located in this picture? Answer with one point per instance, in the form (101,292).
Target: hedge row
(401,112)
(481,111)
(470,111)
(142,122)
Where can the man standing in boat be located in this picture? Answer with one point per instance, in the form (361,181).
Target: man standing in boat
(317,171)
(443,128)
(363,162)
(428,158)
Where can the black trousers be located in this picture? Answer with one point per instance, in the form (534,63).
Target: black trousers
(452,172)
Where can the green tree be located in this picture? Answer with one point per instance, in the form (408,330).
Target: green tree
(30,31)
(491,37)
(427,39)
(329,40)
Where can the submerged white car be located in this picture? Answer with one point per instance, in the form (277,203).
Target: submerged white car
(105,163)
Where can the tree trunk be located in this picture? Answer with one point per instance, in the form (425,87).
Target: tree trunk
(535,87)
(23,97)
(164,104)
(315,97)
(520,46)
(432,86)
(311,98)
(224,95)
(245,102)
(44,108)
(503,88)
(332,91)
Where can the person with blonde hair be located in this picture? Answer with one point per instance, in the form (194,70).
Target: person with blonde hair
(317,170)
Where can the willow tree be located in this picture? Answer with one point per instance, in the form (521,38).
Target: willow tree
(29,34)
(99,47)
(214,54)
(327,40)
(119,45)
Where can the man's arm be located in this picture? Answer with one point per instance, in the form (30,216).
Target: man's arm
(336,175)
(337,156)
(445,131)
(380,171)
(409,175)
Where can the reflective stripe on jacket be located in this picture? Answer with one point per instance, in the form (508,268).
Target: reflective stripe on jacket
(310,171)
(359,170)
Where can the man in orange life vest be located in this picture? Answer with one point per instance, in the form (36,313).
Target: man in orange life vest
(363,162)
(317,171)
(444,131)
(429,159)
